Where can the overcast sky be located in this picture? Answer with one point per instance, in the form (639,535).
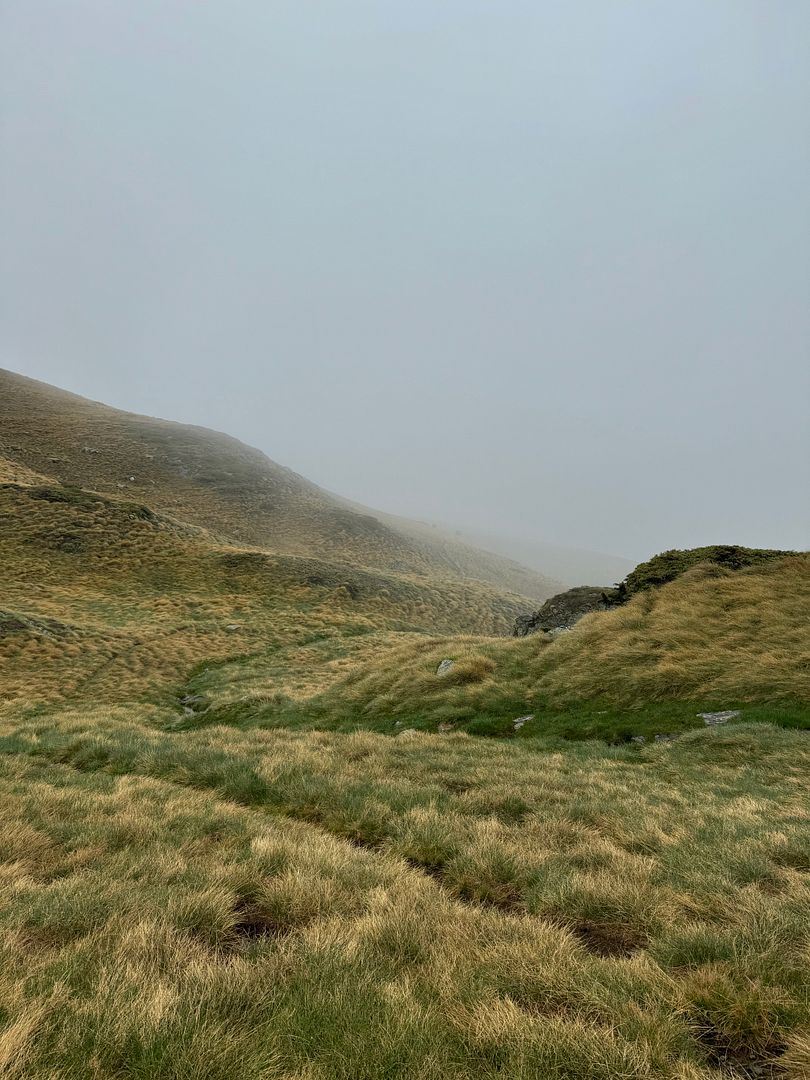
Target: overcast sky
(538,267)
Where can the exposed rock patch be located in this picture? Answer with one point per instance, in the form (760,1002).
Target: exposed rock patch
(562,611)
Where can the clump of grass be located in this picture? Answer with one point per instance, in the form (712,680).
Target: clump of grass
(398,906)
(712,639)
(663,568)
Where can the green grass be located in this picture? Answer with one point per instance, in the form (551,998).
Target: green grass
(663,568)
(317,870)
(280,903)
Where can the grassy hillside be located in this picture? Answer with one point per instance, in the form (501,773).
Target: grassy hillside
(104,599)
(212,480)
(712,639)
(248,830)
(465,559)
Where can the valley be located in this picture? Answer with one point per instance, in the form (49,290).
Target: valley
(283,796)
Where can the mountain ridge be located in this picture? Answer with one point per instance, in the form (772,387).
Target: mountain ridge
(215,481)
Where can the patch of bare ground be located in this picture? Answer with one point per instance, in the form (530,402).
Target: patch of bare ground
(608,939)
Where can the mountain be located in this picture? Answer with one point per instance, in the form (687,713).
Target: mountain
(214,481)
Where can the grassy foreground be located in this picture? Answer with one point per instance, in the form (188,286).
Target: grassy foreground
(257,904)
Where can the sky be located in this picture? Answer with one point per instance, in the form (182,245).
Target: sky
(530,267)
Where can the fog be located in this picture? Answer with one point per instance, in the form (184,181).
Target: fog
(532,268)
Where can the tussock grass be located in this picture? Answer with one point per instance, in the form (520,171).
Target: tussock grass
(215,482)
(117,603)
(712,638)
(312,871)
(269,903)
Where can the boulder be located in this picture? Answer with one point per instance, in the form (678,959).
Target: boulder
(563,610)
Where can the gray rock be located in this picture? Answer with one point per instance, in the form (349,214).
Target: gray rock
(194,703)
(712,718)
(638,739)
(522,721)
(445,666)
(233,626)
(563,610)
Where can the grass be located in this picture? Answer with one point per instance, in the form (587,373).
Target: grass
(216,482)
(249,830)
(279,903)
(712,639)
(663,568)
(105,600)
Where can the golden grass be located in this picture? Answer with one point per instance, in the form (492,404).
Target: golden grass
(193,901)
(104,600)
(218,483)
(222,903)
(711,635)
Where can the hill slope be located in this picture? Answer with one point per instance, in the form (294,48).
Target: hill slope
(216,482)
(711,638)
(104,599)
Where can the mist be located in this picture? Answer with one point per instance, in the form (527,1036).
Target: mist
(530,269)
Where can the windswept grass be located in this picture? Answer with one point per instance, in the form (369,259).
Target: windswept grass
(227,854)
(284,904)
(105,600)
(710,639)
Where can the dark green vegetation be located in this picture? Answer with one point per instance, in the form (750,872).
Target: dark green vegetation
(248,830)
(665,567)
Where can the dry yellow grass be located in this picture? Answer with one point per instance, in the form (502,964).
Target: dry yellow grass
(206,897)
(282,904)
(216,482)
(104,600)
(711,635)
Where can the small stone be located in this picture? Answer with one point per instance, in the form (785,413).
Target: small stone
(446,726)
(231,627)
(638,739)
(192,699)
(521,721)
(445,666)
(712,718)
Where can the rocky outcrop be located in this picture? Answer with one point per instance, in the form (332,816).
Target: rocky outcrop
(563,610)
